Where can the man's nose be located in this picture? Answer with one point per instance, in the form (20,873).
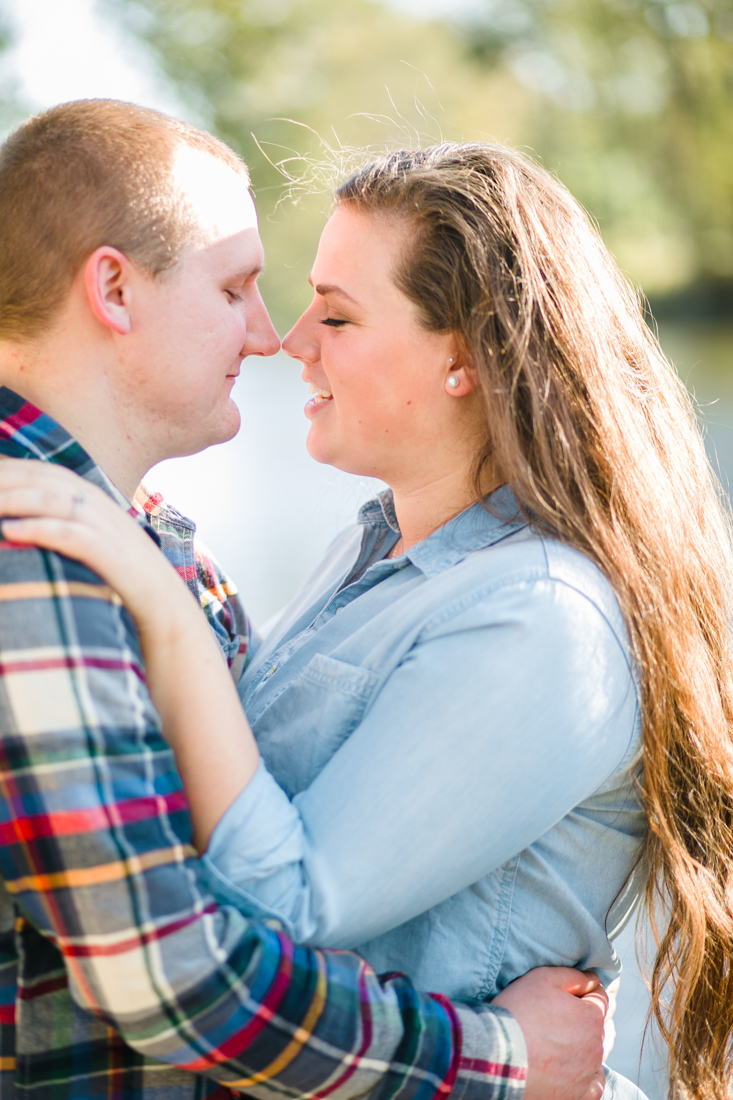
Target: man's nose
(262,339)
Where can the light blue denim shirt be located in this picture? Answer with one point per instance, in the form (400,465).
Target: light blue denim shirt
(451,741)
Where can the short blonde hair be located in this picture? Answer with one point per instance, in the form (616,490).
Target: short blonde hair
(79,176)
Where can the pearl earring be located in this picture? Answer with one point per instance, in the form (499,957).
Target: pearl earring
(451,360)
(453,381)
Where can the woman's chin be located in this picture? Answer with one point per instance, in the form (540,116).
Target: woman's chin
(321,449)
(328,453)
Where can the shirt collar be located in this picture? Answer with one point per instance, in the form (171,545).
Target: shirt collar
(483,524)
(27,432)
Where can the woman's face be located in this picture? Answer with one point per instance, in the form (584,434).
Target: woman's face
(384,408)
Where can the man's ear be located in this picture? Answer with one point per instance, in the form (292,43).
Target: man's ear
(107,285)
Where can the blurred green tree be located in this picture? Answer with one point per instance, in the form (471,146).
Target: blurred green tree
(634,110)
(629,101)
(11,110)
(346,74)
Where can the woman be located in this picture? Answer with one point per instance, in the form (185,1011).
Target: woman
(543,594)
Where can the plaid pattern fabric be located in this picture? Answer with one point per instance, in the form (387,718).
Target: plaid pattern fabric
(214,590)
(119,976)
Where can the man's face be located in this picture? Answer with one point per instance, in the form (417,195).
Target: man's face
(192,327)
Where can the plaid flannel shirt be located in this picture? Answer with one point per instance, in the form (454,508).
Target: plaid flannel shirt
(119,975)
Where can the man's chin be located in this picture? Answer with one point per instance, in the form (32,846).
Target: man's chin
(229,425)
(219,429)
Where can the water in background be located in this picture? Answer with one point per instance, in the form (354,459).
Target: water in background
(268,512)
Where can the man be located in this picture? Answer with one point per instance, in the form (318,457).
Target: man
(129,257)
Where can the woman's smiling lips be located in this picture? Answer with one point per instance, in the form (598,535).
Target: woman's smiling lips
(320,398)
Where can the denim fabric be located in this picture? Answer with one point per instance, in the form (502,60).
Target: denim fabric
(450,743)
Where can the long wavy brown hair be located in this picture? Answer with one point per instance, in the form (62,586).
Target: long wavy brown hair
(592,428)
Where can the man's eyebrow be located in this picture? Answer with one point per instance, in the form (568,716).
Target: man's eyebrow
(244,273)
(329,288)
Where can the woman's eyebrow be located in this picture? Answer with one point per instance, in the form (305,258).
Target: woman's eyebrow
(329,288)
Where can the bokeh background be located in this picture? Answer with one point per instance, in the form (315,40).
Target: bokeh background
(630,102)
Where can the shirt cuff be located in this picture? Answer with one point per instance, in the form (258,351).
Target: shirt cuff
(256,846)
(493,1061)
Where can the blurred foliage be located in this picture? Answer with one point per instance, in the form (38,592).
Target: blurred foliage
(11,111)
(629,101)
(634,111)
(349,73)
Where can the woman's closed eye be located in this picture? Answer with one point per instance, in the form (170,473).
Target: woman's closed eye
(333,322)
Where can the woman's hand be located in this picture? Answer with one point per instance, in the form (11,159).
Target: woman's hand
(189,682)
(59,511)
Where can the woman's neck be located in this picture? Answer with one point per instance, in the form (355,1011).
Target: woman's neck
(435,479)
(421,509)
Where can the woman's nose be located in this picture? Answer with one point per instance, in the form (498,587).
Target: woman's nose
(300,342)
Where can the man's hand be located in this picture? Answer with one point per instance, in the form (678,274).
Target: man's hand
(561,1013)
(609,1037)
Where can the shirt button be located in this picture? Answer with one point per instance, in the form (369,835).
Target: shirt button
(271,671)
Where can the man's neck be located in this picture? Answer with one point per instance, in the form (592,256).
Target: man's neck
(80,402)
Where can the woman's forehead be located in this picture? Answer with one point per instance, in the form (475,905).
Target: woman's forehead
(357,250)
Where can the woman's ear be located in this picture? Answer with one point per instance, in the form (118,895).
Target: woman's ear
(472,374)
(107,285)
(462,377)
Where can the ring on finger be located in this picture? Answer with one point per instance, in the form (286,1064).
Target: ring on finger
(77,503)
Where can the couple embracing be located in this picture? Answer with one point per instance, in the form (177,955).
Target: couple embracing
(497,715)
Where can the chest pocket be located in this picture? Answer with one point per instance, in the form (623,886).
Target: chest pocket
(300,729)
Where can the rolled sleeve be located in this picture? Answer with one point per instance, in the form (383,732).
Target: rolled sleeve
(270,857)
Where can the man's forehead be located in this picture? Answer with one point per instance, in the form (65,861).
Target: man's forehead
(236,258)
(219,196)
